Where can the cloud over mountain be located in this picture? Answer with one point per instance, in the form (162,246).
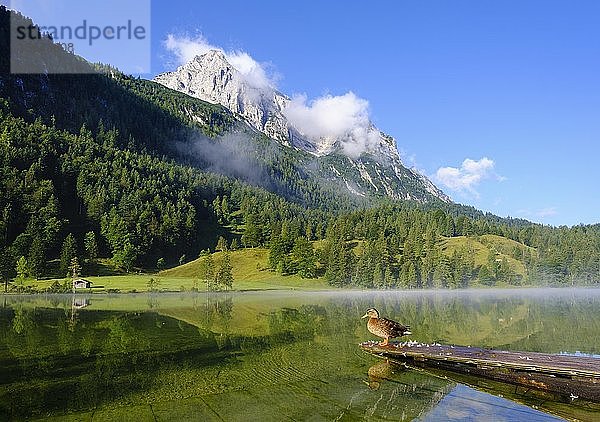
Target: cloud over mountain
(184,48)
(343,117)
(468,176)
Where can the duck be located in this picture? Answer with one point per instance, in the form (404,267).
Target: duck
(383,327)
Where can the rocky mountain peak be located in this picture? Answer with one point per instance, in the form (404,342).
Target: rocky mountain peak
(213,55)
(212,78)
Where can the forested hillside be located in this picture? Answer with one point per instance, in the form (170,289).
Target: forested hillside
(101,166)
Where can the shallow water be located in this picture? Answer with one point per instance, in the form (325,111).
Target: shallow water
(276,355)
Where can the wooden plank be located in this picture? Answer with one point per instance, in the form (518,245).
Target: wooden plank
(570,376)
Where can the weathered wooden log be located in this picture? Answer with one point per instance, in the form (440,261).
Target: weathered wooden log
(573,377)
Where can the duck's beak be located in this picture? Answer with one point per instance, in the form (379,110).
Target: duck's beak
(364,316)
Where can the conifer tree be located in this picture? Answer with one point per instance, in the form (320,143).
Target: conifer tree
(225,209)
(74,268)
(442,274)
(221,244)
(7,267)
(408,275)
(22,269)
(68,252)
(37,257)
(378,280)
(91,246)
(303,256)
(252,234)
(389,279)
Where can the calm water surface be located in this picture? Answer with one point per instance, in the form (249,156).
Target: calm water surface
(276,355)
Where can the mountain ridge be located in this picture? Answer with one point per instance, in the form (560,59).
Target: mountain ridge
(210,77)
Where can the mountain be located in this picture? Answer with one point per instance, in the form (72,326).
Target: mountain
(211,78)
(375,169)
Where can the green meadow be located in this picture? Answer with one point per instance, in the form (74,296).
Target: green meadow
(251,272)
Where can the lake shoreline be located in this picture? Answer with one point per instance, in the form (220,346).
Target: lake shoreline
(329,290)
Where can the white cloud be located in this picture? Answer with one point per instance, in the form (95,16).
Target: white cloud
(541,213)
(468,176)
(538,215)
(547,212)
(343,117)
(185,48)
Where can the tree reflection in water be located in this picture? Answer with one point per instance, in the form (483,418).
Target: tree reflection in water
(259,354)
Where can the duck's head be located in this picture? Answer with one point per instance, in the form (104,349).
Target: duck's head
(371,313)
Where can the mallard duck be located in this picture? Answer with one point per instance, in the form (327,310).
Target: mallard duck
(384,328)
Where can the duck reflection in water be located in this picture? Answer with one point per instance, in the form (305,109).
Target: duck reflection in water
(381,371)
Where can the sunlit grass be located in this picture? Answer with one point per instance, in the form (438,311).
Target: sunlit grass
(250,272)
(483,245)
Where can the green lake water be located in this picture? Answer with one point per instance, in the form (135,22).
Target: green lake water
(260,356)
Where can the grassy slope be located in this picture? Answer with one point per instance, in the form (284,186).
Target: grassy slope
(482,245)
(251,273)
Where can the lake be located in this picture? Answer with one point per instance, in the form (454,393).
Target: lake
(277,355)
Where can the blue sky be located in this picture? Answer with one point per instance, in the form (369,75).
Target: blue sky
(497,101)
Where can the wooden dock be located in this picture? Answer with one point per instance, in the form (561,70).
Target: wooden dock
(573,377)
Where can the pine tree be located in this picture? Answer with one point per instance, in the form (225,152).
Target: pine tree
(408,275)
(344,265)
(303,255)
(428,268)
(252,236)
(276,253)
(68,252)
(389,279)
(37,257)
(378,280)
(216,205)
(7,267)
(91,246)
(335,263)
(225,209)
(74,268)
(364,271)
(221,244)
(160,264)
(486,276)
(442,273)
(308,231)
(125,258)
(22,270)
